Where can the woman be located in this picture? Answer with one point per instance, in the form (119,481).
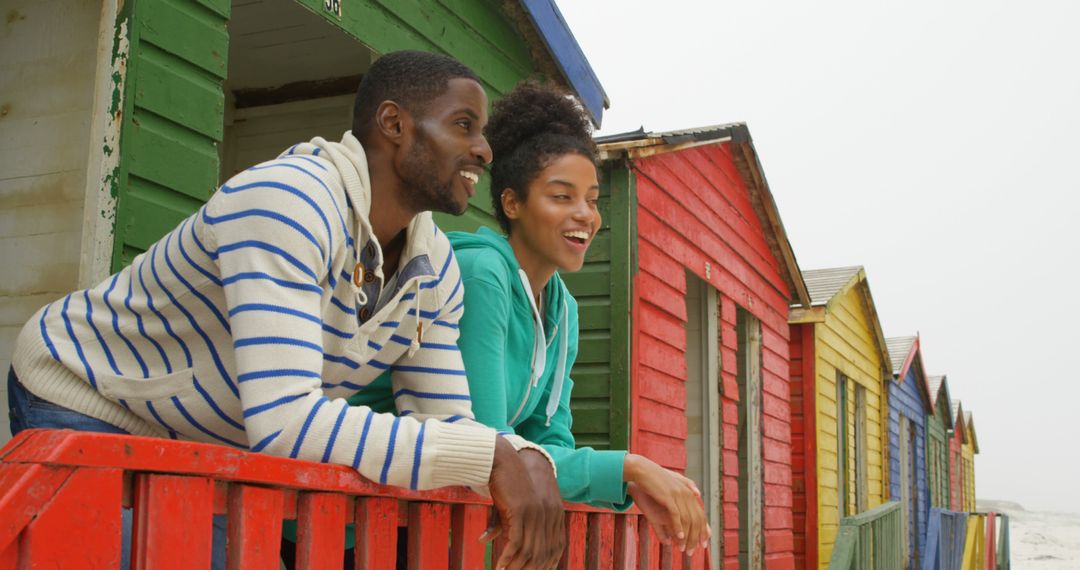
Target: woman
(519,334)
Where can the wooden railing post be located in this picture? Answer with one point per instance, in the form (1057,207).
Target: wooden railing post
(429,541)
(255,515)
(574,556)
(320,531)
(467,524)
(173,522)
(376,532)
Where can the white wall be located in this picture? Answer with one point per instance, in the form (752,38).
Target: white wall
(48,58)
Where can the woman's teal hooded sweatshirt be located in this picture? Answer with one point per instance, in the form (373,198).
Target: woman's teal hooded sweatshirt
(519,372)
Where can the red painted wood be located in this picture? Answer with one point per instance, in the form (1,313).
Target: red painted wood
(648,546)
(9,557)
(991,541)
(255,515)
(429,538)
(574,556)
(601,537)
(85,449)
(467,524)
(805,333)
(25,489)
(626,538)
(320,531)
(662,387)
(87,506)
(687,210)
(376,532)
(161,501)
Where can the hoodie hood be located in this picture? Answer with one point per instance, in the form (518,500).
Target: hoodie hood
(550,334)
(350,161)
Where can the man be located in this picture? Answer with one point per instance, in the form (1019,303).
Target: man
(298,283)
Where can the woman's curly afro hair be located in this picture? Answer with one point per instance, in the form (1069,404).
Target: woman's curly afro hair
(529,128)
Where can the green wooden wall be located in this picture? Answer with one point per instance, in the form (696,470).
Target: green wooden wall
(171,62)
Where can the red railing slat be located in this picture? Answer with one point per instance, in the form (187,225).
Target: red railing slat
(429,543)
(468,523)
(255,515)
(376,532)
(173,525)
(576,528)
(320,531)
(601,537)
(626,538)
(648,548)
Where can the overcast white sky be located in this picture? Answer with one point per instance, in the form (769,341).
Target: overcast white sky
(934,143)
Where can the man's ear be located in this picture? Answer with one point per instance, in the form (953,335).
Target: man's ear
(391,120)
(510,204)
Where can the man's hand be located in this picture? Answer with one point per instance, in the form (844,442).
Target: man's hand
(528,509)
(671,503)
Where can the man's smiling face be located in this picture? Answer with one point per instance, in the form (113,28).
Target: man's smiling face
(447,151)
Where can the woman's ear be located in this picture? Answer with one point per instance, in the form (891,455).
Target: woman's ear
(510,203)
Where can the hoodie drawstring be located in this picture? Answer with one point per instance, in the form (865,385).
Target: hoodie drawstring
(539,356)
(560,368)
(419,338)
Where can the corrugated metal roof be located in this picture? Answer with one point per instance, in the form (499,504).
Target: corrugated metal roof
(935,385)
(899,349)
(699,134)
(823,284)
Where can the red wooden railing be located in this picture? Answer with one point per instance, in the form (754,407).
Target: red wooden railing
(62,492)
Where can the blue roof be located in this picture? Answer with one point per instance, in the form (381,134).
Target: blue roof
(562,45)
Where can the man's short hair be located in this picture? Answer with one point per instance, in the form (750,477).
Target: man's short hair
(409,78)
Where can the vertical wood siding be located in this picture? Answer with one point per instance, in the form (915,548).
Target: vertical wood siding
(693,209)
(956,467)
(938,466)
(47,77)
(846,344)
(905,399)
(967,457)
(803,445)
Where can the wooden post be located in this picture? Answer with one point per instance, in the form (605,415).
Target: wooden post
(376,532)
(173,525)
(467,524)
(255,515)
(429,535)
(320,536)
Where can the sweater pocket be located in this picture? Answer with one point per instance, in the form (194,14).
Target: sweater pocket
(175,403)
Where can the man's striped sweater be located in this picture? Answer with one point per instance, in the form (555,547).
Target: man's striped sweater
(243,326)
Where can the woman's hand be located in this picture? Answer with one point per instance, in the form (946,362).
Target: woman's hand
(671,503)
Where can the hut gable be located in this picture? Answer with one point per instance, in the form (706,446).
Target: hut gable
(969,423)
(909,405)
(755,207)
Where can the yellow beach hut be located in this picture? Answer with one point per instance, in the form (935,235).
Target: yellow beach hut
(839,365)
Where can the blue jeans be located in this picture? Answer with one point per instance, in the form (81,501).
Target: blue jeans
(28,411)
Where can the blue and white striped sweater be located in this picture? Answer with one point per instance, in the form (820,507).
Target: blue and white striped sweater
(240,327)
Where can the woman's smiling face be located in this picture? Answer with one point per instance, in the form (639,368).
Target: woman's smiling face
(558,218)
